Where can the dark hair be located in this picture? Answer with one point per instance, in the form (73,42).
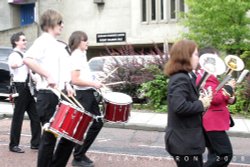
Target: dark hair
(180,56)
(49,19)
(15,38)
(208,49)
(75,39)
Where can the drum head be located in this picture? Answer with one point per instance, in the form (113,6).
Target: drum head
(117,98)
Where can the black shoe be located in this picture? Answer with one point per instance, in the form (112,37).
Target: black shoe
(86,159)
(16,149)
(81,163)
(34,147)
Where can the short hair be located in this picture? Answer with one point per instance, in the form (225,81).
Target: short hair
(208,49)
(49,19)
(75,39)
(15,38)
(180,57)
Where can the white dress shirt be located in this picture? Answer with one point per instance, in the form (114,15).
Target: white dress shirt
(78,61)
(19,74)
(51,55)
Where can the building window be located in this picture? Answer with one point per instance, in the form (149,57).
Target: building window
(182,6)
(144,10)
(156,11)
(153,10)
(27,14)
(172,9)
(162,11)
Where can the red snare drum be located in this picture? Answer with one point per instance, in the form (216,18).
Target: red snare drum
(70,122)
(117,107)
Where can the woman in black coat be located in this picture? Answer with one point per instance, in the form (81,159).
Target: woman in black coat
(184,136)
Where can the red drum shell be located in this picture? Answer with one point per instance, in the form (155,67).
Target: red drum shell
(70,122)
(117,107)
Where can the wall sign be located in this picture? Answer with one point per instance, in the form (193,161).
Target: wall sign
(111,37)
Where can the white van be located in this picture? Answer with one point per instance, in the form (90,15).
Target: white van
(101,66)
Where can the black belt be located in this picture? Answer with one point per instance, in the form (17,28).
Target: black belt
(20,83)
(44,91)
(85,90)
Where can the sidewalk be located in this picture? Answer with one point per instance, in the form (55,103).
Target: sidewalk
(140,120)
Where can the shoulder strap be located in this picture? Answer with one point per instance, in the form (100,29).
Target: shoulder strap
(18,53)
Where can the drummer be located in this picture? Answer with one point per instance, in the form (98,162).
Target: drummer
(45,57)
(85,86)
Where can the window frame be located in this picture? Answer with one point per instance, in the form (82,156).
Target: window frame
(166,11)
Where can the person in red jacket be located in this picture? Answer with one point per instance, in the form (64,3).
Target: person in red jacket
(216,121)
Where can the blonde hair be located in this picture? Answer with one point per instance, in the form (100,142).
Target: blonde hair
(49,19)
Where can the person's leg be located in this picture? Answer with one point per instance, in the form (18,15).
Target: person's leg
(46,149)
(221,147)
(35,125)
(17,118)
(88,101)
(62,153)
(80,150)
(46,106)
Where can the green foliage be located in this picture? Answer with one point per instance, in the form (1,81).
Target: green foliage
(246,58)
(156,90)
(242,105)
(223,24)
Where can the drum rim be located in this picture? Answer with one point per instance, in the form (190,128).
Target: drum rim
(61,134)
(78,108)
(129,102)
(117,103)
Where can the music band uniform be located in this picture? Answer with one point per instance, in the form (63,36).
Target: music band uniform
(85,95)
(23,102)
(184,137)
(216,121)
(46,56)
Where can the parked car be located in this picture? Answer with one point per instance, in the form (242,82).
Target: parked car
(125,73)
(4,72)
(101,67)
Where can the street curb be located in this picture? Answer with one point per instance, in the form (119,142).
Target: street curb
(145,127)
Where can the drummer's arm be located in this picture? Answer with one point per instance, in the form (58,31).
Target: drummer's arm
(76,80)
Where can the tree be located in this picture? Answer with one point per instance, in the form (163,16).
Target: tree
(224,24)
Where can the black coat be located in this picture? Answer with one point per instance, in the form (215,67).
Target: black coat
(184,132)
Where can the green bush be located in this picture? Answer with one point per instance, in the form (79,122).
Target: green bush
(156,90)
(242,105)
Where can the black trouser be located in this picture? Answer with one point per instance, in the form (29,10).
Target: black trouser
(47,157)
(24,102)
(188,160)
(220,150)
(88,101)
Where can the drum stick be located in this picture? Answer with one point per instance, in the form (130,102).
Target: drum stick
(77,102)
(109,74)
(65,96)
(114,83)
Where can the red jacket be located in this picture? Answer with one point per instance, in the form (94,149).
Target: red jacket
(217,116)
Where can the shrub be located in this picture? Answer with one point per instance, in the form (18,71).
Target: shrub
(242,105)
(134,72)
(156,90)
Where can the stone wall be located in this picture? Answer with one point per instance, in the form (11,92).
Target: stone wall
(31,32)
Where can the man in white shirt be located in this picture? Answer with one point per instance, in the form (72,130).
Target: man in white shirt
(85,86)
(45,57)
(25,101)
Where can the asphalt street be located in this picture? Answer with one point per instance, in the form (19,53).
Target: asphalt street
(114,147)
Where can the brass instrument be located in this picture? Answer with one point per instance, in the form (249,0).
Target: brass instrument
(211,64)
(234,63)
